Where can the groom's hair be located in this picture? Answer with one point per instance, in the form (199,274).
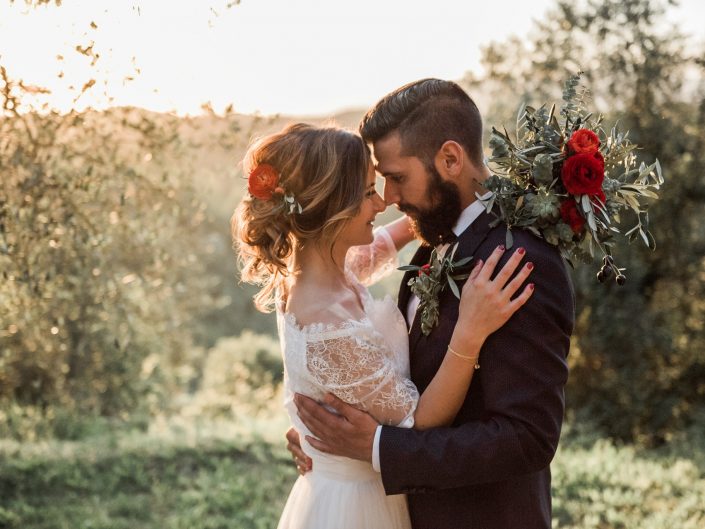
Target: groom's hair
(427,113)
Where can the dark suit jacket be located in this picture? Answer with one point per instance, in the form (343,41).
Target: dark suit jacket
(490,469)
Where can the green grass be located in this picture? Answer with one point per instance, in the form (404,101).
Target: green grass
(210,476)
(144,481)
(600,485)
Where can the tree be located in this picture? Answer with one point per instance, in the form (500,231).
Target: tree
(97,252)
(638,359)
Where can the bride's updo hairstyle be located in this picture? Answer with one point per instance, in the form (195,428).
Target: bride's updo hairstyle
(323,169)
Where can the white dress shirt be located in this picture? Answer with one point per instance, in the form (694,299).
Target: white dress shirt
(466,218)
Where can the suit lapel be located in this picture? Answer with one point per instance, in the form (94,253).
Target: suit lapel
(468,241)
(471,238)
(422,255)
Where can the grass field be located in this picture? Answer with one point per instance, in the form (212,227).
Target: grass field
(219,475)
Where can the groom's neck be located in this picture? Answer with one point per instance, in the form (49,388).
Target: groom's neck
(474,180)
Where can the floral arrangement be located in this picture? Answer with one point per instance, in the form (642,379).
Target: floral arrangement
(432,278)
(570,182)
(263,184)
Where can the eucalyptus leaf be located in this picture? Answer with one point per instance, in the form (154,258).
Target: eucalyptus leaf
(454,287)
(585,203)
(463,261)
(542,169)
(509,239)
(591,221)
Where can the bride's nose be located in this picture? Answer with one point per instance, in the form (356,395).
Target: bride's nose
(379,203)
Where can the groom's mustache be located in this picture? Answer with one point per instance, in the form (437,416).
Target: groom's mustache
(410,210)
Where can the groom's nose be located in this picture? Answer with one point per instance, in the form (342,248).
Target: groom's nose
(391,196)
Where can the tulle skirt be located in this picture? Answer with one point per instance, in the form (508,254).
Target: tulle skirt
(343,494)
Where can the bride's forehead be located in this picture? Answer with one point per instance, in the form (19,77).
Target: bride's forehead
(371,175)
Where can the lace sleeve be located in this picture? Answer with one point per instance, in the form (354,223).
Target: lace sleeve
(372,262)
(359,370)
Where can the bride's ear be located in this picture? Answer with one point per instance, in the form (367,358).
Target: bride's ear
(449,160)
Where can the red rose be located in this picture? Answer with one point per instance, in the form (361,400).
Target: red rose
(584,141)
(425,270)
(583,174)
(262,181)
(572,216)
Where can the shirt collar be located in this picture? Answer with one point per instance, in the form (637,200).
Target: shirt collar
(470,214)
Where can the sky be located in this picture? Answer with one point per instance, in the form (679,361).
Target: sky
(303,57)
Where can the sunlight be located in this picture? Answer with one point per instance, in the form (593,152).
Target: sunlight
(268,56)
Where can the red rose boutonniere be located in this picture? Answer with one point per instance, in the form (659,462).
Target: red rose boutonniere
(432,279)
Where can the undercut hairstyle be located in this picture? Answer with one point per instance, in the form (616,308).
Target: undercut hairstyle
(427,113)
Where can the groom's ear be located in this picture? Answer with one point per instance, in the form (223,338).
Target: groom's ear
(449,160)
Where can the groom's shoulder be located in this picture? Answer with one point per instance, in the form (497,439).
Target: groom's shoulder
(546,257)
(519,238)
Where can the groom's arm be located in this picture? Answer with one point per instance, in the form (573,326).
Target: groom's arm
(523,374)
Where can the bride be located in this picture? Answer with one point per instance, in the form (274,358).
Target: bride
(304,235)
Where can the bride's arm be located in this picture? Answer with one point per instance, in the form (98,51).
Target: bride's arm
(358,368)
(485,306)
(400,231)
(371,262)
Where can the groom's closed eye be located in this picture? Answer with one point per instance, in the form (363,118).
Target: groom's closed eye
(395,177)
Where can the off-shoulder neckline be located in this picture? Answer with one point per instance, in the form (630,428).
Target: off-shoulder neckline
(324,328)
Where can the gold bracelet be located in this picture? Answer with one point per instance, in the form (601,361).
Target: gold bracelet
(465,357)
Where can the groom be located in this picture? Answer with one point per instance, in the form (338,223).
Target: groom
(490,468)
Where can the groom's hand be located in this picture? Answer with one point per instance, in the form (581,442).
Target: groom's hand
(350,434)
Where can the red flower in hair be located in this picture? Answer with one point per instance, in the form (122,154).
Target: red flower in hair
(263,181)
(584,141)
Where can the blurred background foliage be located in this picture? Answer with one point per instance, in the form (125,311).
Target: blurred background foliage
(638,358)
(122,320)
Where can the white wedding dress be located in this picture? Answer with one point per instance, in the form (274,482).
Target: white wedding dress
(365,362)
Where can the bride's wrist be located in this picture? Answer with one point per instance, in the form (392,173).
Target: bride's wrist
(466,346)
(469,359)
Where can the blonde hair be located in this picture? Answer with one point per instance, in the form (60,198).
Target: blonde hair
(324,168)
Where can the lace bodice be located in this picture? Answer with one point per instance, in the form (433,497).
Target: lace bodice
(364,361)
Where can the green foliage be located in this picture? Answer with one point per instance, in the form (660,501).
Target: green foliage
(240,376)
(155,484)
(530,187)
(218,479)
(638,359)
(96,257)
(598,484)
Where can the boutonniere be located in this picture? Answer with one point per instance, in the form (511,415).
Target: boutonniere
(432,279)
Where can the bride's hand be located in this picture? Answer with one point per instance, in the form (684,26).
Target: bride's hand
(486,304)
(293,445)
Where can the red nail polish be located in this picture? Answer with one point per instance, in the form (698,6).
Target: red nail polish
(530,266)
(531,286)
(500,247)
(521,251)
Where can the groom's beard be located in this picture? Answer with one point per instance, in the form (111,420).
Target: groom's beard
(434,226)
